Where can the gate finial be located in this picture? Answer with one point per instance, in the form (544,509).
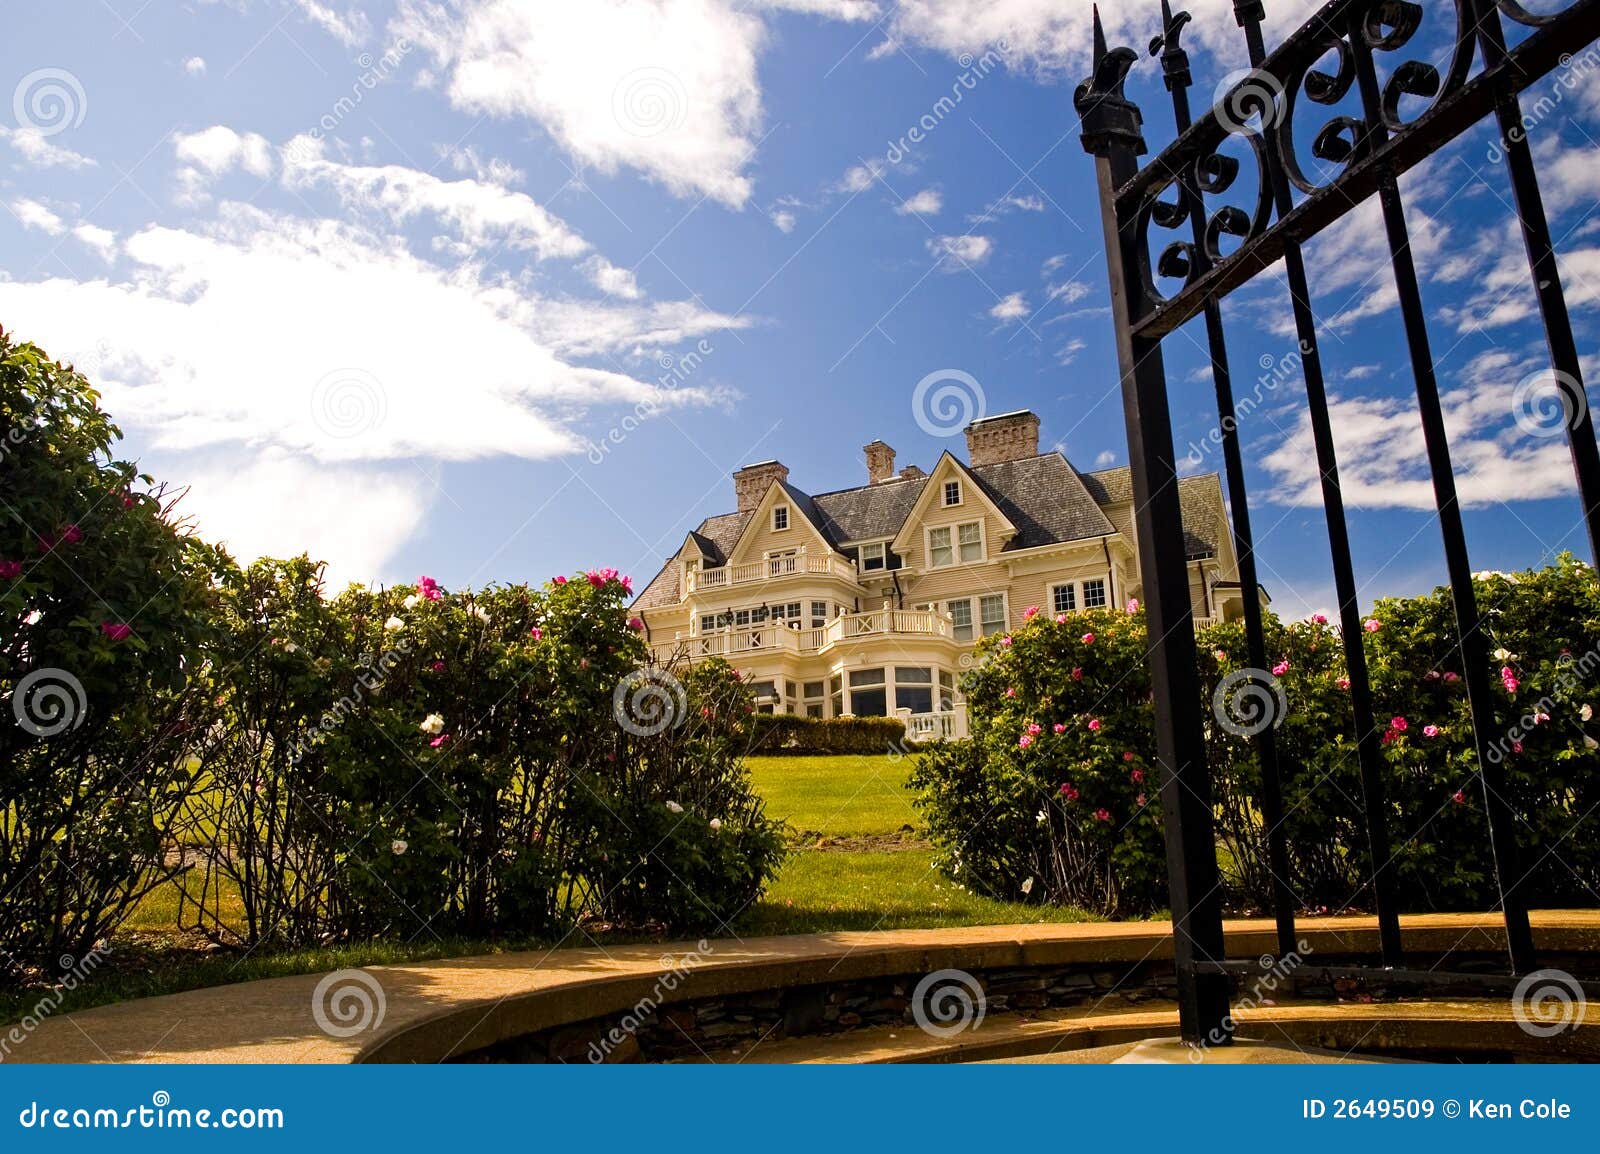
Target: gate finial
(1174,60)
(1110,120)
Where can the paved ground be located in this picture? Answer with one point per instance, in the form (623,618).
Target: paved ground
(433,1009)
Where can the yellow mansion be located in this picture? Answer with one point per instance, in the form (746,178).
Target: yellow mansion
(867,601)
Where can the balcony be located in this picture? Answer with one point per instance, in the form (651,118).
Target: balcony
(799,563)
(775,637)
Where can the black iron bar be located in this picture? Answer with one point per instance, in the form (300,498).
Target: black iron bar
(1250,14)
(1111,134)
(1546,276)
(1472,644)
(1177,77)
(1452,115)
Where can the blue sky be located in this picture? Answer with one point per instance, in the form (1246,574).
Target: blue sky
(373,279)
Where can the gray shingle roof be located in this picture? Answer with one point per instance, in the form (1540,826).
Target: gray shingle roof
(1048,501)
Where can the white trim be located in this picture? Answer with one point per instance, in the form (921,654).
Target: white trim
(955,528)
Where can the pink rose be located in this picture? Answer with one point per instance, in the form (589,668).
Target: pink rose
(536,633)
(10,570)
(1025,740)
(1102,815)
(1058,727)
(1088,638)
(1372,625)
(1030,613)
(560,579)
(1450,677)
(1094,724)
(1430,731)
(1140,801)
(1459,797)
(636,624)
(1069,791)
(1077,673)
(1035,729)
(1319,618)
(72,534)
(440,740)
(1133,605)
(115,631)
(1061,618)
(1136,776)
(1005,643)
(1010,692)
(1398,724)
(1342,682)
(1281,668)
(438,667)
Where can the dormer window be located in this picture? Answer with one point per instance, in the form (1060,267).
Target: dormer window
(952,493)
(780,517)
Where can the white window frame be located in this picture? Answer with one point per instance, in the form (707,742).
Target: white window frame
(944,494)
(783,512)
(883,555)
(956,626)
(1005,614)
(782,562)
(962,545)
(957,544)
(1105,592)
(1071,588)
(950,546)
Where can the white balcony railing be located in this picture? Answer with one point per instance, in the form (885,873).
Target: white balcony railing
(799,562)
(776,637)
(946,725)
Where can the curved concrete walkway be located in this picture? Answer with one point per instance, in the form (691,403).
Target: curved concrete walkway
(432,1010)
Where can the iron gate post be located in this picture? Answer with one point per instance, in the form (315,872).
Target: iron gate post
(1111,133)
(1177,77)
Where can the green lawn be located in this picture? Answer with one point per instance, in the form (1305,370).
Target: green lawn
(837,796)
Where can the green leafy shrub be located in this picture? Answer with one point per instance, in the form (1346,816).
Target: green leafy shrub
(787,733)
(103,606)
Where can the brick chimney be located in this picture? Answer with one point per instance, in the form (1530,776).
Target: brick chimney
(751,483)
(880,462)
(1007,437)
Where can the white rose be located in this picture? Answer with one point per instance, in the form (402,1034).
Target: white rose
(1587,712)
(674,807)
(394,625)
(1027,887)
(716,824)
(412,601)
(432,725)
(398,847)
(481,613)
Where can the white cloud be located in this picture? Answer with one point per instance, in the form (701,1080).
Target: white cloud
(272,504)
(32,214)
(961,250)
(611,280)
(102,240)
(350,28)
(195,66)
(1105,460)
(1011,307)
(41,152)
(1068,291)
(783,219)
(215,151)
(481,213)
(1383,460)
(1068,352)
(928,202)
(328,341)
(860,177)
(668,87)
(851,10)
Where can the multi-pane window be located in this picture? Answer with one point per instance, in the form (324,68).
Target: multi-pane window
(970,537)
(992,611)
(1094,593)
(947,690)
(961,619)
(874,556)
(836,694)
(819,614)
(869,695)
(913,688)
(952,493)
(939,550)
(816,698)
(1064,598)
(780,516)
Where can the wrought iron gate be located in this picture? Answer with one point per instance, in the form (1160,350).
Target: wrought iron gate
(1408,109)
